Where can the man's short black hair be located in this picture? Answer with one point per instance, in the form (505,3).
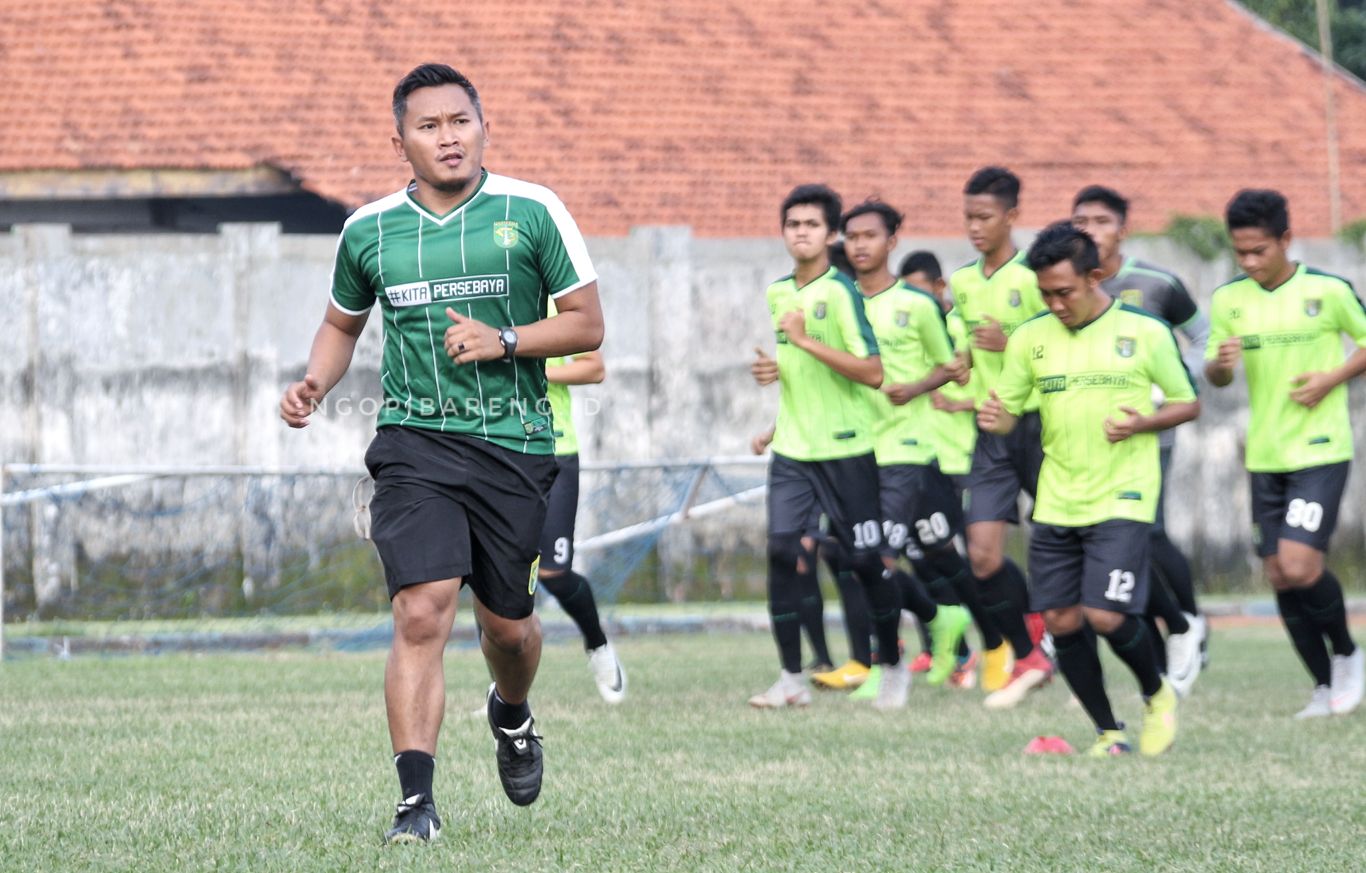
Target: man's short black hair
(1059,242)
(922,262)
(998,182)
(890,217)
(1259,207)
(431,76)
(1107,197)
(814,195)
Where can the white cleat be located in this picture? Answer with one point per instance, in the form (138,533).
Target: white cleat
(1319,705)
(607,673)
(1349,681)
(892,688)
(790,690)
(1183,656)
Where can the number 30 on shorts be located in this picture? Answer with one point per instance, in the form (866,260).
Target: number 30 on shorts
(1303,514)
(1121,588)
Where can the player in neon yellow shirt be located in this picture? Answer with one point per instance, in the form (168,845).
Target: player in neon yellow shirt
(1093,363)
(1283,322)
(822,445)
(995,294)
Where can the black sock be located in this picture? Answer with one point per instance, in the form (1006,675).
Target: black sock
(1080,666)
(884,606)
(937,583)
(1168,560)
(575,595)
(923,631)
(1161,604)
(784,604)
(1134,646)
(967,593)
(963,649)
(1002,604)
(415,772)
(508,715)
(811,607)
(913,595)
(1305,636)
(1159,650)
(1324,604)
(857,623)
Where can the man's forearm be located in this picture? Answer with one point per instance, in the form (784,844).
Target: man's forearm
(567,333)
(865,371)
(1169,416)
(330,355)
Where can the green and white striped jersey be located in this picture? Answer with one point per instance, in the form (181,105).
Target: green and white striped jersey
(498,258)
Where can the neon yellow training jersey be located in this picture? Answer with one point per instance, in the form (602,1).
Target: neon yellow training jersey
(913,340)
(1083,377)
(561,406)
(821,415)
(1010,295)
(955,432)
(1294,329)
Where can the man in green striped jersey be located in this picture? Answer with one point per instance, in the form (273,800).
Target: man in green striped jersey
(920,515)
(1092,364)
(1284,323)
(462,263)
(996,294)
(823,438)
(1103,213)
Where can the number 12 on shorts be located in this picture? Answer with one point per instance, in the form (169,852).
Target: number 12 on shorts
(1121,589)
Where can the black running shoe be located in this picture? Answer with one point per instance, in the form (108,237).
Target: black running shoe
(519,759)
(415,821)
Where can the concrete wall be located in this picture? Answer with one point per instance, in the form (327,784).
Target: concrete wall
(174,349)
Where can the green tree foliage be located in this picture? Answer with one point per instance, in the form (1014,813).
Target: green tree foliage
(1300,20)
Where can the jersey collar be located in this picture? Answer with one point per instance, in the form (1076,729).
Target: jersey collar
(1299,268)
(982,264)
(427,214)
(1114,304)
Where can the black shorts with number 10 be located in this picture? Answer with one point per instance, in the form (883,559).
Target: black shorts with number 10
(845,488)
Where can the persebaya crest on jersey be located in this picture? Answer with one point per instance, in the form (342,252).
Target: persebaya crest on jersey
(505,234)
(1124,346)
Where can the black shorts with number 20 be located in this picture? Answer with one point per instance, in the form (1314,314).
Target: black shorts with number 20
(448,505)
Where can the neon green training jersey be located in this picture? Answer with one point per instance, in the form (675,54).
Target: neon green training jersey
(1294,329)
(913,340)
(821,415)
(561,406)
(496,258)
(1082,378)
(1010,295)
(955,432)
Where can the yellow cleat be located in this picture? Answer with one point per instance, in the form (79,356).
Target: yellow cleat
(996,664)
(846,677)
(1159,722)
(1109,744)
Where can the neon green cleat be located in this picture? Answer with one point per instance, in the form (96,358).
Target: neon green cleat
(1110,744)
(946,631)
(1159,722)
(868,690)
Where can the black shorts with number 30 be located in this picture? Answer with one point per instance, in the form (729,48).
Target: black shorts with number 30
(448,505)
(1301,506)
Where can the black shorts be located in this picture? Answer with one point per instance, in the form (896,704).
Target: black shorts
(448,506)
(1002,467)
(845,489)
(1104,566)
(1165,459)
(1301,505)
(557,536)
(920,510)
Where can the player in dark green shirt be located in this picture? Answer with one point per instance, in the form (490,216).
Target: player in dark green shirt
(1093,363)
(823,440)
(1103,213)
(462,264)
(1283,322)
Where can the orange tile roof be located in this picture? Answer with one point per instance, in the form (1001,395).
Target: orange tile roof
(701,112)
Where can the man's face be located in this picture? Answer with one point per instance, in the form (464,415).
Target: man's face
(1261,255)
(805,232)
(443,138)
(867,243)
(1103,226)
(1074,299)
(988,222)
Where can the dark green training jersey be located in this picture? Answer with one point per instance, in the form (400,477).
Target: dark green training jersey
(496,258)
(1294,329)
(822,416)
(1083,377)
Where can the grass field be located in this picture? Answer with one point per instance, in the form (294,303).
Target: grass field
(269,762)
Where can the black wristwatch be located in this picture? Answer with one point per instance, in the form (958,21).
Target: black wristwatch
(508,337)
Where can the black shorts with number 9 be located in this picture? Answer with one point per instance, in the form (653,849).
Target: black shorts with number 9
(1301,505)
(557,536)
